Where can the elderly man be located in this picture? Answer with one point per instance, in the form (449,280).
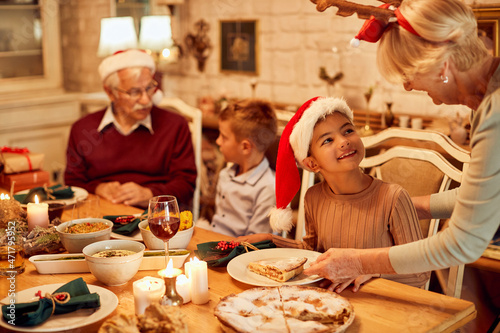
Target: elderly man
(132,150)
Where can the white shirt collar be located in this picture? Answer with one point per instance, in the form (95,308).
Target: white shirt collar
(109,118)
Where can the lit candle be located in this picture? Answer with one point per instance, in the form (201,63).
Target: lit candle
(170,274)
(183,286)
(38,214)
(197,273)
(4,197)
(147,291)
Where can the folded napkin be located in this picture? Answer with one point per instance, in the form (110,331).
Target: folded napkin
(216,257)
(35,313)
(125,229)
(50,193)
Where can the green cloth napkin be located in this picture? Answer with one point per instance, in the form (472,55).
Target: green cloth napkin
(35,313)
(58,191)
(125,229)
(215,258)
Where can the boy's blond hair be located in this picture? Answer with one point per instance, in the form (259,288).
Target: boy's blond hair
(252,119)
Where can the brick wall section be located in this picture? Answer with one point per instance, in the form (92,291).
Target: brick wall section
(294,42)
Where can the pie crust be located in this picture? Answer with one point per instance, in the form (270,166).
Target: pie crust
(293,309)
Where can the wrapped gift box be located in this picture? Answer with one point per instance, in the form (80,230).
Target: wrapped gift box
(21,162)
(24,180)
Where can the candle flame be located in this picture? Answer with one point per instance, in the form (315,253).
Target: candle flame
(36,199)
(195,259)
(4,197)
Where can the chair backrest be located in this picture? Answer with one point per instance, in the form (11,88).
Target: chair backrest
(420,171)
(194,117)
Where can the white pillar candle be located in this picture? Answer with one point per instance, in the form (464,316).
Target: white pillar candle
(38,214)
(197,273)
(147,291)
(183,287)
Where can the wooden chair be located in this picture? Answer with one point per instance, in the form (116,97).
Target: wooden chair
(420,171)
(194,117)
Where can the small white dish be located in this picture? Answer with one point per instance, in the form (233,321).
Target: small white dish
(74,243)
(179,241)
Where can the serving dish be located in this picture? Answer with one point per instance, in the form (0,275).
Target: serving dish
(53,264)
(74,243)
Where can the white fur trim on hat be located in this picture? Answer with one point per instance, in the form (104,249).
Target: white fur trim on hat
(281,219)
(125,59)
(301,136)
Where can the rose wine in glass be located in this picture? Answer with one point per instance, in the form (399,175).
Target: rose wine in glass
(164,219)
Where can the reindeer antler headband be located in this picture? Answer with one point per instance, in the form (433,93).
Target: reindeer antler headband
(377,18)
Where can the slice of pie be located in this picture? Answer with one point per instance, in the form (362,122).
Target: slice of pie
(289,309)
(280,270)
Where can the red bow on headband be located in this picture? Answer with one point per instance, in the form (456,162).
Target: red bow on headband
(373,29)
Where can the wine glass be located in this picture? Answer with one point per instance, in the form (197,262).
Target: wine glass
(164,219)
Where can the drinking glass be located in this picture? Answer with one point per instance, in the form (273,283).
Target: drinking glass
(164,219)
(87,208)
(366,130)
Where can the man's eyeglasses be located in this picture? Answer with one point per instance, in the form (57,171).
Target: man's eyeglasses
(136,93)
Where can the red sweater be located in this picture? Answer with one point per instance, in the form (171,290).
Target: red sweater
(162,162)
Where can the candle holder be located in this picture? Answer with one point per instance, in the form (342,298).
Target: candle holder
(171,296)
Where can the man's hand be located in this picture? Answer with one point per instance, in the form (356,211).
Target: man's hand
(133,194)
(129,193)
(107,190)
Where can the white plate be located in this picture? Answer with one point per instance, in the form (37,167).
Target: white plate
(79,195)
(50,264)
(68,321)
(238,270)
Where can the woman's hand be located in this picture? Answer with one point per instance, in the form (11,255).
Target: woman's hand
(339,287)
(337,265)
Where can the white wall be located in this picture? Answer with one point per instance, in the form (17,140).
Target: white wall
(294,41)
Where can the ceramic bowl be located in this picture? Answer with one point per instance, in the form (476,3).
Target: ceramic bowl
(179,241)
(74,243)
(114,271)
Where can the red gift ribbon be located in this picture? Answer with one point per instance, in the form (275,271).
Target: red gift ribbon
(15,150)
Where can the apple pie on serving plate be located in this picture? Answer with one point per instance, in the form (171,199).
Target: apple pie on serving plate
(294,309)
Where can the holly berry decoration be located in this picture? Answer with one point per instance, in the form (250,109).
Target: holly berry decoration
(223,245)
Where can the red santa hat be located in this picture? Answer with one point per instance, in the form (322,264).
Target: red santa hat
(125,59)
(294,148)
(373,29)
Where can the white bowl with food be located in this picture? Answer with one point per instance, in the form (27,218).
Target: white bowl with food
(179,241)
(77,234)
(114,262)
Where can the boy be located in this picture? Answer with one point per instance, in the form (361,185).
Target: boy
(349,209)
(245,189)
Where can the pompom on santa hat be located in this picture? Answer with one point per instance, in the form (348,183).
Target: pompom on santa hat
(128,59)
(294,148)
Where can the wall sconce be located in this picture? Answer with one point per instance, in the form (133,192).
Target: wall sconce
(198,44)
(117,33)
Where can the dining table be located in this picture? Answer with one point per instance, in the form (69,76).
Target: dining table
(380,305)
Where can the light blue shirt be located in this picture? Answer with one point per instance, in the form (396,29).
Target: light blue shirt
(242,203)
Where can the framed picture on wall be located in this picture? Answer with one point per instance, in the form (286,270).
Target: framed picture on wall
(238,47)
(488,27)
